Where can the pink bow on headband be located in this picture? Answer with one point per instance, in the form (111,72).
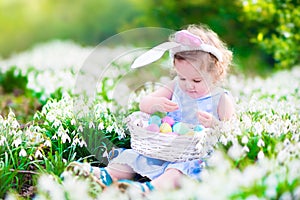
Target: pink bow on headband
(186,38)
(184,41)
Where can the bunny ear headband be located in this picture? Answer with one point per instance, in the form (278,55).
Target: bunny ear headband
(184,41)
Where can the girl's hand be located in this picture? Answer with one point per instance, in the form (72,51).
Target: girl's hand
(206,119)
(153,104)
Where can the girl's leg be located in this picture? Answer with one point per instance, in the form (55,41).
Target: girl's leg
(168,180)
(116,171)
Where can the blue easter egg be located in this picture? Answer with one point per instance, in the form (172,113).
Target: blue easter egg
(180,128)
(154,119)
(198,128)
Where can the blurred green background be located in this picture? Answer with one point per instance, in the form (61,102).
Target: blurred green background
(263,34)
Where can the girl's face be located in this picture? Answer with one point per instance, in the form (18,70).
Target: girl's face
(192,81)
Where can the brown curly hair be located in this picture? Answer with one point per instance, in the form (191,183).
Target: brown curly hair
(204,60)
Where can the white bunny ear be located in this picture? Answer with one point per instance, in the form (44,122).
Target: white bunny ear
(153,54)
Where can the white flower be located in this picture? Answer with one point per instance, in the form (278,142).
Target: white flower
(260,155)
(38,154)
(297,193)
(54,137)
(47,143)
(80,128)
(245,139)
(23,153)
(271,193)
(260,143)
(82,143)
(17,142)
(15,124)
(73,122)
(2,140)
(223,140)
(65,137)
(47,185)
(91,125)
(110,128)
(101,126)
(246,149)
(235,151)
(76,188)
(57,123)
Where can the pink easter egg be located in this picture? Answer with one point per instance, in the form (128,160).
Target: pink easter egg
(168,120)
(153,128)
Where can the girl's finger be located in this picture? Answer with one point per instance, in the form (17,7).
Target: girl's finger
(171,108)
(204,114)
(171,103)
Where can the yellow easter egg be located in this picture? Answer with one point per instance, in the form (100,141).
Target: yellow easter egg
(190,133)
(165,128)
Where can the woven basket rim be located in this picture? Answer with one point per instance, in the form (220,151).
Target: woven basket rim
(161,145)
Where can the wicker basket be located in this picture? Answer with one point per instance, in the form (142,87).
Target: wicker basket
(168,147)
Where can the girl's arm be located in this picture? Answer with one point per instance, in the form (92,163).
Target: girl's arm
(226,108)
(159,100)
(225,111)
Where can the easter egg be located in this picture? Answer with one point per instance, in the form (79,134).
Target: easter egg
(168,120)
(165,128)
(180,128)
(190,133)
(198,128)
(153,128)
(154,119)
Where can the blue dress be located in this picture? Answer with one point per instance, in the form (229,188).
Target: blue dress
(153,168)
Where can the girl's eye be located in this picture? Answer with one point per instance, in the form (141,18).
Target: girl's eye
(197,81)
(182,79)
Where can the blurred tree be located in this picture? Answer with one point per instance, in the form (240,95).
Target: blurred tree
(25,22)
(222,16)
(275,26)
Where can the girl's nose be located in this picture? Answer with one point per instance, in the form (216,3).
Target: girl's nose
(189,85)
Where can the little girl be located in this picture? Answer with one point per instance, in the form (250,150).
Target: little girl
(200,61)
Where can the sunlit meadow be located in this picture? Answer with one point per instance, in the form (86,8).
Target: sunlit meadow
(256,157)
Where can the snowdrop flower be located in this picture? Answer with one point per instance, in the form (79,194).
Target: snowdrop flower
(76,189)
(110,128)
(271,193)
(245,149)
(260,143)
(54,137)
(296,193)
(260,155)
(73,122)
(22,153)
(258,127)
(223,140)
(235,151)
(82,143)
(17,142)
(80,129)
(101,126)
(2,139)
(245,139)
(48,143)
(65,137)
(91,125)
(47,185)
(38,154)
